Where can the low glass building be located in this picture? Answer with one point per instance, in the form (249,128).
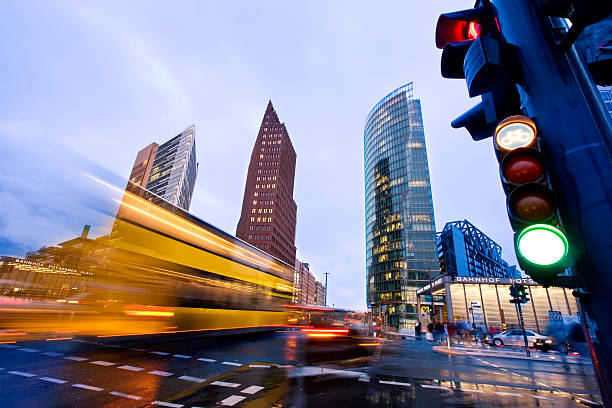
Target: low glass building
(486,302)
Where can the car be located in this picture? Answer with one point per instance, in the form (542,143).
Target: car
(514,337)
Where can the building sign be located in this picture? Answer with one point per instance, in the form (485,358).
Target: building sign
(499,281)
(41,267)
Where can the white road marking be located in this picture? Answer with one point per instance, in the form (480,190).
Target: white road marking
(53,380)
(121,394)
(252,389)
(167,404)
(208,360)
(512,394)
(8,346)
(233,400)
(395,383)
(231,363)
(162,373)
(28,350)
(131,368)
(75,358)
(259,366)
(159,353)
(540,397)
(88,387)
(470,390)
(52,354)
(102,363)
(436,387)
(137,349)
(225,384)
(190,378)
(21,373)
(181,356)
(364,378)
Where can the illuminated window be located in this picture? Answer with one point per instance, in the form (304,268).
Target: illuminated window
(252,219)
(273,185)
(261,156)
(271,211)
(258,219)
(250,236)
(255,194)
(253,211)
(269,219)
(258,178)
(263,142)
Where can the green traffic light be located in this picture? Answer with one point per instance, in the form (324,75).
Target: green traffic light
(542,245)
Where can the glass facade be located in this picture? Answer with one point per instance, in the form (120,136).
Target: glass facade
(399,219)
(606,95)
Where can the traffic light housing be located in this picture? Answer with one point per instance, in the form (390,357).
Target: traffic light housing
(474,49)
(521,293)
(540,244)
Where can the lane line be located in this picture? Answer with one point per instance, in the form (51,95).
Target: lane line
(21,373)
(75,358)
(512,394)
(436,387)
(252,389)
(102,363)
(395,383)
(259,366)
(208,360)
(540,397)
(190,378)
(138,349)
(159,353)
(121,394)
(233,400)
(53,380)
(231,363)
(161,373)
(470,390)
(167,404)
(53,354)
(130,368)
(225,384)
(181,356)
(87,387)
(28,350)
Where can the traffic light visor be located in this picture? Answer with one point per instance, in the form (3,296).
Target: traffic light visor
(456,27)
(542,245)
(515,132)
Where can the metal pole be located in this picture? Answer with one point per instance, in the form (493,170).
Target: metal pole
(522,323)
(558,92)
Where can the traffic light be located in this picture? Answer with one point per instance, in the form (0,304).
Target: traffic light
(513,293)
(475,49)
(540,244)
(521,293)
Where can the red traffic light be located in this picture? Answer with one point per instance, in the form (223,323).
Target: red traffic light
(522,166)
(456,27)
(531,203)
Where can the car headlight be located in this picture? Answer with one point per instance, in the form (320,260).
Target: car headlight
(548,341)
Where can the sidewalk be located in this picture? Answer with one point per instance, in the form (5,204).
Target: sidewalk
(551,356)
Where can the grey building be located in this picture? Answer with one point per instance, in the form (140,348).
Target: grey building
(399,219)
(168,172)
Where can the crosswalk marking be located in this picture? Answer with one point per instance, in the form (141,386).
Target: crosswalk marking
(121,394)
(193,379)
(130,368)
(53,380)
(233,400)
(225,384)
(252,389)
(161,373)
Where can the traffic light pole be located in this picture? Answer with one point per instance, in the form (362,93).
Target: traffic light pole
(576,140)
(519,312)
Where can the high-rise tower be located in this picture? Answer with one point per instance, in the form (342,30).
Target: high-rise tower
(168,172)
(399,219)
(268,215)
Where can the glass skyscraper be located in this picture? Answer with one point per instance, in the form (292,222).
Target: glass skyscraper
(399,219)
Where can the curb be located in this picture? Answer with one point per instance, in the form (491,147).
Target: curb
(478,353)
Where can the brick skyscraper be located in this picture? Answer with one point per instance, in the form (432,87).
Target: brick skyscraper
(268,215)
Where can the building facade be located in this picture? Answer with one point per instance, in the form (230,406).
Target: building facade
(399,219)
(305,284)
(320,294)
(167,172)
(268,217)
(485,301)
(606,95)
(464,250)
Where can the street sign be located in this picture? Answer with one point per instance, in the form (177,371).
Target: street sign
(555,315)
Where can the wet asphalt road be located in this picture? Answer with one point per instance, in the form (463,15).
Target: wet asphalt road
(275,370)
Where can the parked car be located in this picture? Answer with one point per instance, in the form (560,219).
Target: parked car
(514,337)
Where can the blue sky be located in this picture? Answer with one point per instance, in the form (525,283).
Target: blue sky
(85,85)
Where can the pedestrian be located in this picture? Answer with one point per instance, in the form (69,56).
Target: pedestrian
(417,329)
